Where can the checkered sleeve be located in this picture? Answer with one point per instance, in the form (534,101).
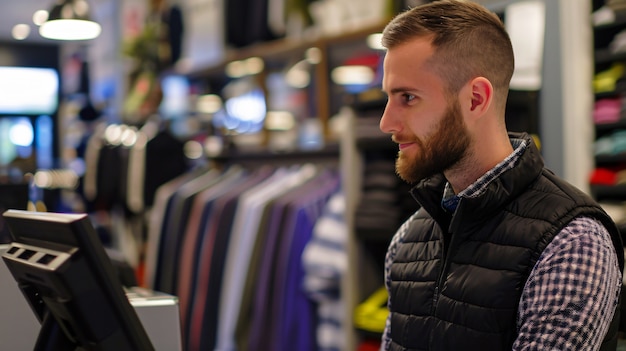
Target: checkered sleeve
(570,297)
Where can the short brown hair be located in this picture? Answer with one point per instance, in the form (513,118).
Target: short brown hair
(469,41)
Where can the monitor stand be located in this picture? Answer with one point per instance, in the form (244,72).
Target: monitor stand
(51,336)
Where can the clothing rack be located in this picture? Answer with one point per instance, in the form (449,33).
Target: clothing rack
(329,154)
(228,241)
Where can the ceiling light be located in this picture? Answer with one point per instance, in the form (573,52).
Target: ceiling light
(280,120)
(352,75)
(20,31)
(235,69)
(254,65)
(209,103)
(39,17)
(247,67)
(313,55)
(374,41)
(298,76)
(69,20)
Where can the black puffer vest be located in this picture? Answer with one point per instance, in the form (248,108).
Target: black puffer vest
(464,294)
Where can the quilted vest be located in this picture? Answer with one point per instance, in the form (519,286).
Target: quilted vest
(457,280)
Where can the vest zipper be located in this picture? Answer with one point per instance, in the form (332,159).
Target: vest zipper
(442,273)
(445,250)
(440,279)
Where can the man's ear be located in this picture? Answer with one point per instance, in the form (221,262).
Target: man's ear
(481,94)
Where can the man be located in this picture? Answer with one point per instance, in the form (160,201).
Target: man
(502,253)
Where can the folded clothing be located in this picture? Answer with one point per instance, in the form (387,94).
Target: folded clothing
(607,110)
(605,81)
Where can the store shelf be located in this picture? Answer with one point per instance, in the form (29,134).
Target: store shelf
(609,94)
(281,49)
(607,56)
(604,58)
(329,152)
(602,128)
(611,159)
(619,22)
(608,192)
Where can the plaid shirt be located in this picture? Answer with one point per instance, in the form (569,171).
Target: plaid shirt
(571,293)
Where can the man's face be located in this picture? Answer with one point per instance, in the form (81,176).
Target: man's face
(428,126)
(437,152)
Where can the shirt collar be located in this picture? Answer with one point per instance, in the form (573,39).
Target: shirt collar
(450,200)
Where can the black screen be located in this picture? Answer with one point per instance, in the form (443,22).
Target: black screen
(69,281)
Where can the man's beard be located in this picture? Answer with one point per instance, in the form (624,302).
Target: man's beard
(440,151)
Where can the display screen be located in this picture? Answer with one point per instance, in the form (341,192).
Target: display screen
(28,90)
(244,107)
(175,102)
(61,267)
(26,144)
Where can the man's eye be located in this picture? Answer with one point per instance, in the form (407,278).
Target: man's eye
(408,97)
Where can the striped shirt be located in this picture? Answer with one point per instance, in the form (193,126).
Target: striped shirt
(571,293)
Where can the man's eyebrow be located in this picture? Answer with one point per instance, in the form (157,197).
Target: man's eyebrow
(399,90)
